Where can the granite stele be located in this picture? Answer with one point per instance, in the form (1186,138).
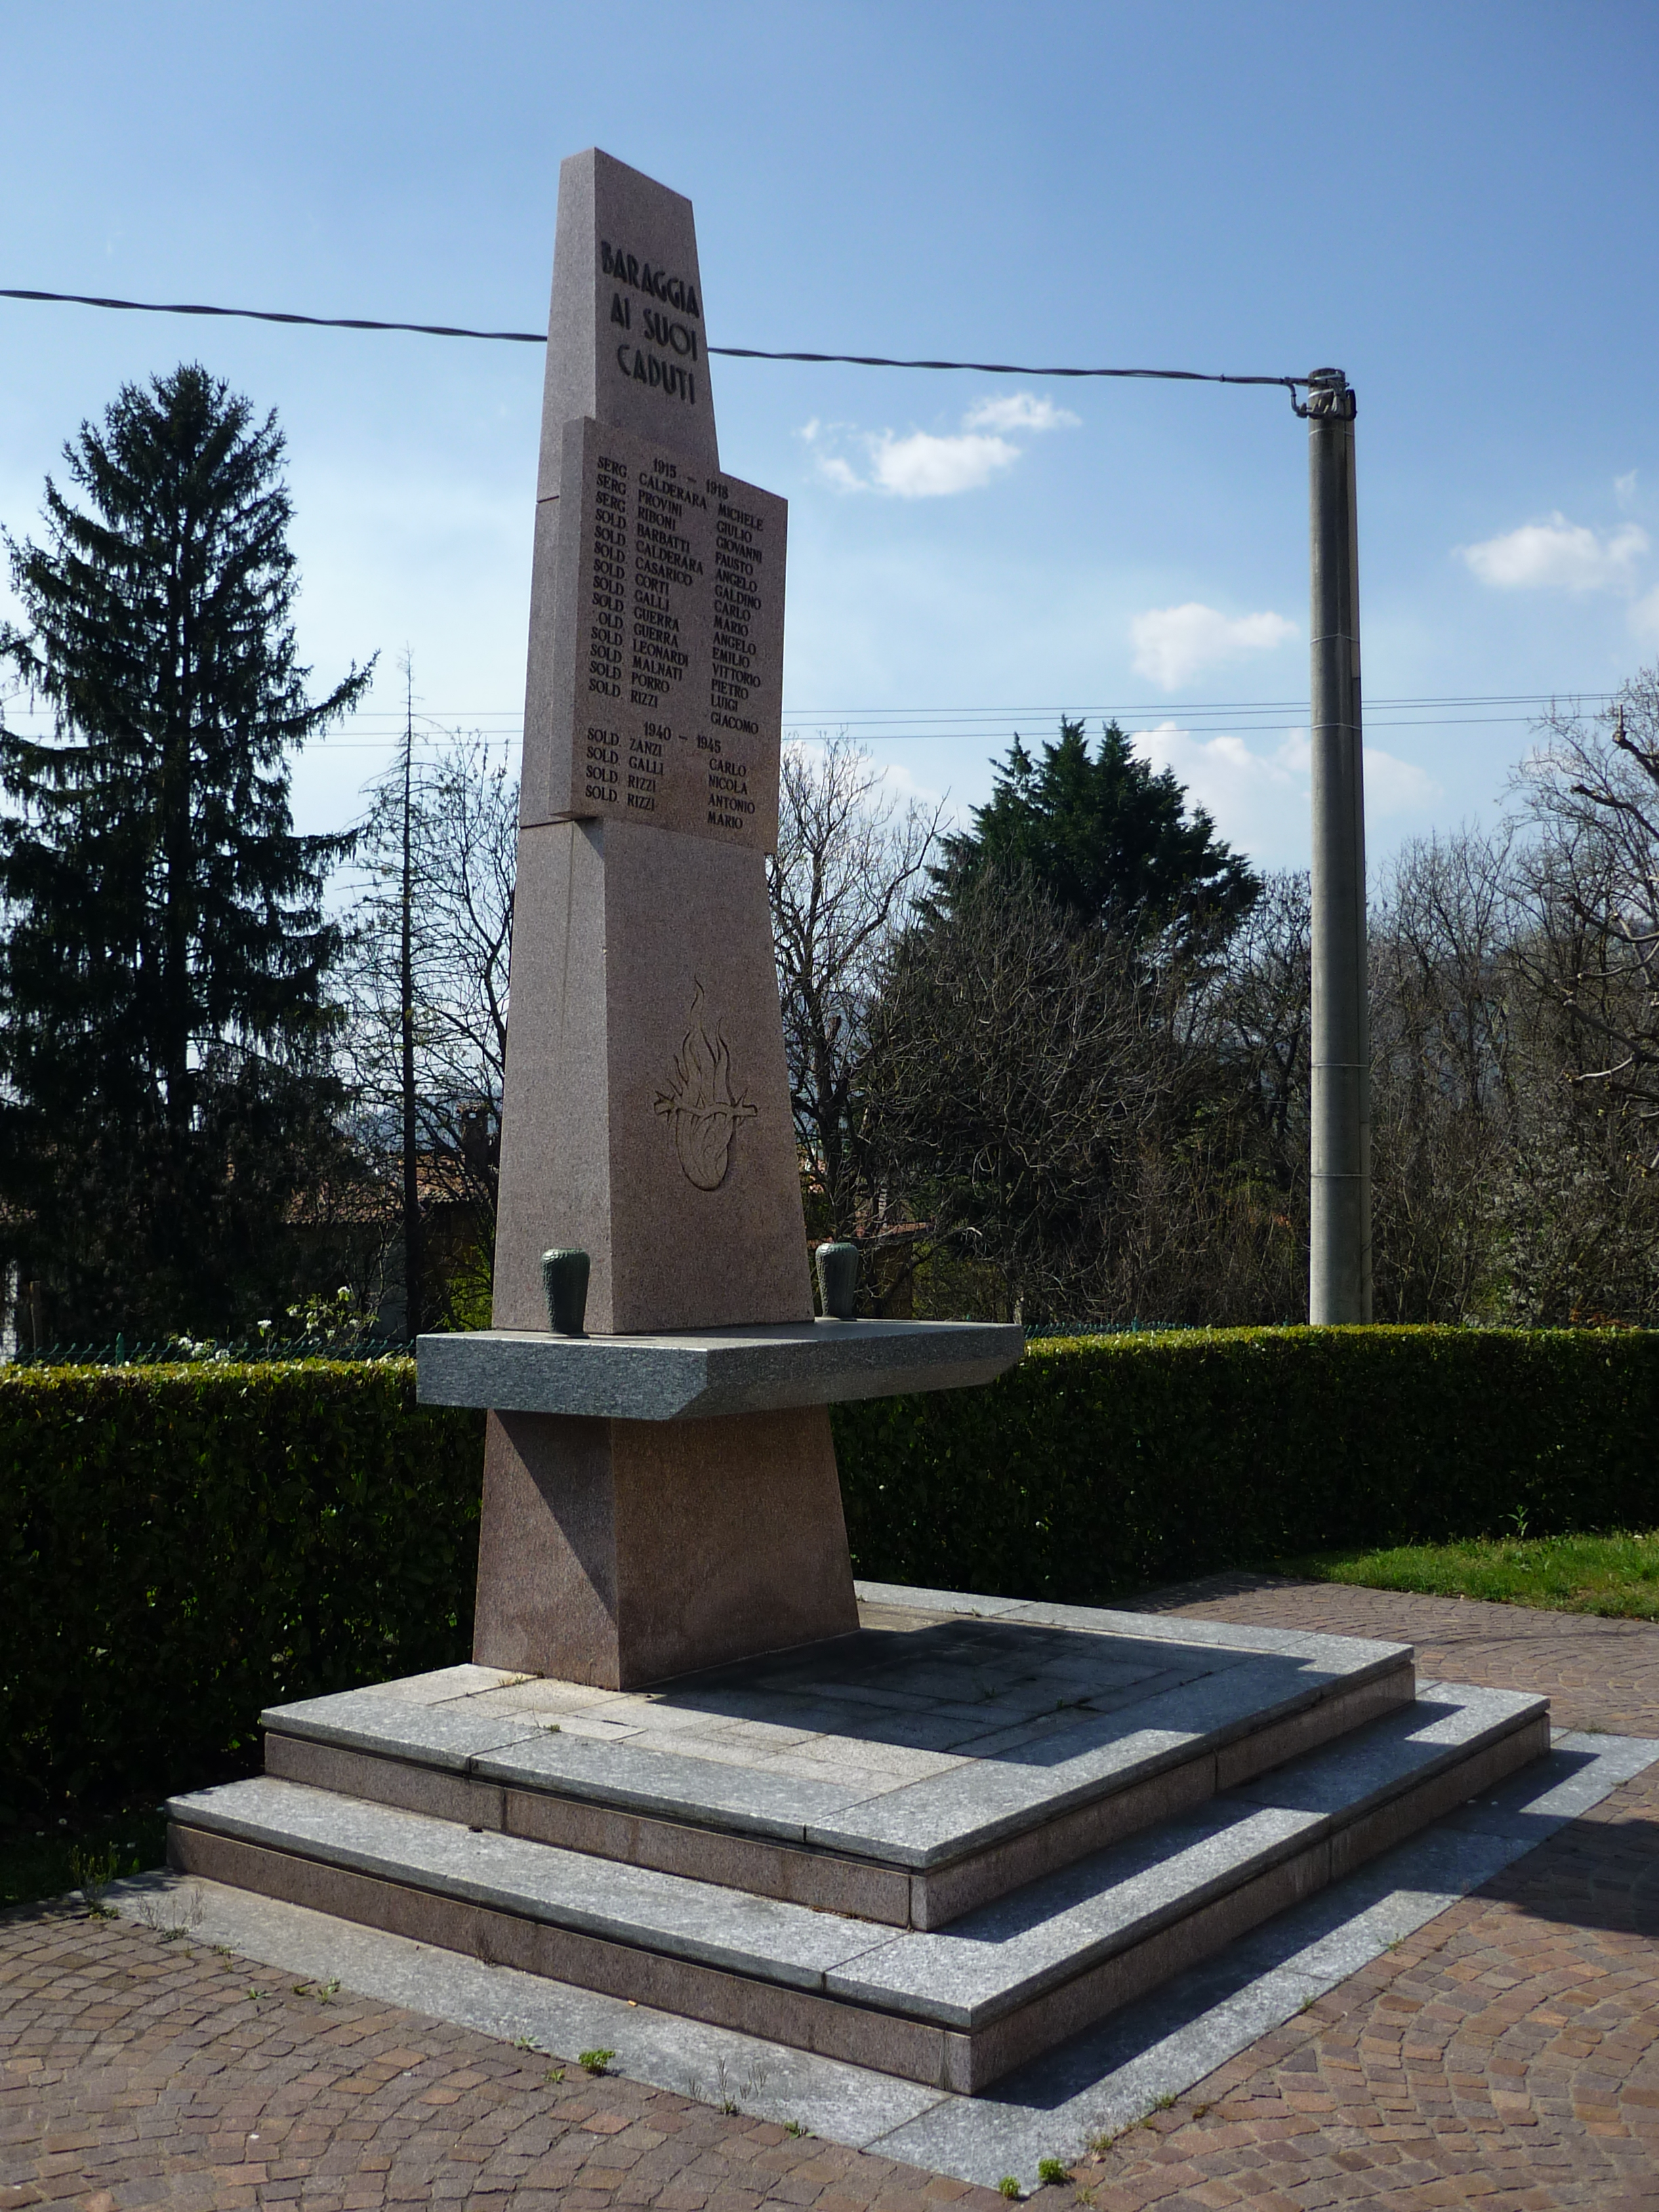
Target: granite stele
(690,1763)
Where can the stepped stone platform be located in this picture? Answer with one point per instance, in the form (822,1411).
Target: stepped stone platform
(936,1847)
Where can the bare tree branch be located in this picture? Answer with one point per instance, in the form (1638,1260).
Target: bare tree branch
(849,863)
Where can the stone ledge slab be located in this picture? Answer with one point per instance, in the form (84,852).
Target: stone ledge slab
(697,1375)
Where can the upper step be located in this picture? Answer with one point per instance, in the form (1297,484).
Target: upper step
(908,1773)
(959,2006)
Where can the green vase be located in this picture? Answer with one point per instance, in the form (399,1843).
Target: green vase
(564,1277)
(838,1279)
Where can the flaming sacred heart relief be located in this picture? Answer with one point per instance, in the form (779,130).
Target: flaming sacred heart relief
(700,1104)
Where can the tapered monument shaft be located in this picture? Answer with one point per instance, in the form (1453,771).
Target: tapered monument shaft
(1340,1258)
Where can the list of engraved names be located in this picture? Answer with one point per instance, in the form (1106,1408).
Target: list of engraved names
(679,649)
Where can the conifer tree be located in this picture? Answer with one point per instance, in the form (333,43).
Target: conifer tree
(1108,839)
(165,1090)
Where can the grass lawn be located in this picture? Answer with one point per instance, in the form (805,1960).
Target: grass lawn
(1614,1575)
(36,1863)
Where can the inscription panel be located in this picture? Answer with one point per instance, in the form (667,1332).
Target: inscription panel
(672,592)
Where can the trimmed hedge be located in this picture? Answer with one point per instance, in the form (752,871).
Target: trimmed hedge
(181,1546)
(1102,1464)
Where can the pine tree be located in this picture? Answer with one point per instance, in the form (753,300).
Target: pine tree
(1109,839)
(166,1088)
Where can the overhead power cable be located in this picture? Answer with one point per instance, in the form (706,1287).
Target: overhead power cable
(273,315)
(503,725)
(1291,384)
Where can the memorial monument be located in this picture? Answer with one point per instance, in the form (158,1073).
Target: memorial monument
(692,1766)
(647,1118)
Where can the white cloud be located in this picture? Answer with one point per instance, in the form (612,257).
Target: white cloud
(1019,411)
(1221,773)
(840,472)
(1173,643)
(1259,800)
(922,467)
(1393,785)
(1644,619)
(1624,490)
(1558,554)
(930,465)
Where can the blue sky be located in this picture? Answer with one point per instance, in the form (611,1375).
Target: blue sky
(1456,204)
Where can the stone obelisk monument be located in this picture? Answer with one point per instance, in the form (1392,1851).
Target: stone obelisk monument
(647,1118)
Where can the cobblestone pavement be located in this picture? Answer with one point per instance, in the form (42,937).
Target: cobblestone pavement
(139,2072)
(1503,2056)
(1596,1673)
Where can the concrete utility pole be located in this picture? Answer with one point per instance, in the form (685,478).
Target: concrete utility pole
(1340,1259)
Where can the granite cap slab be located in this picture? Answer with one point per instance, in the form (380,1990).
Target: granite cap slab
(700,1374)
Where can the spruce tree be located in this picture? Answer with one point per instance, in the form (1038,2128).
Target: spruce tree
(166,1088)
(1109,839)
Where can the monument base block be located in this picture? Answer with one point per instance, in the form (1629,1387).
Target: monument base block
(618,1552)
(937,1847)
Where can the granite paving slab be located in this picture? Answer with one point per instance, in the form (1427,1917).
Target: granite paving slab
(663,1784)
(463,1681)
(448,1735)
(543,1693)
(901,1606)
(976,1804)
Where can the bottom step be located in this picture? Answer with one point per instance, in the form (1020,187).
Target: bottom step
(955,2008)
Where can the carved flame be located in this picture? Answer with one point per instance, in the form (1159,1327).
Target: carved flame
(700,1103)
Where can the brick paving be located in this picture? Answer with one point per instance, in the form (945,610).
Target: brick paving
(1503,2056)
(1506,2055)
(135,2071)
(1597,1673)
